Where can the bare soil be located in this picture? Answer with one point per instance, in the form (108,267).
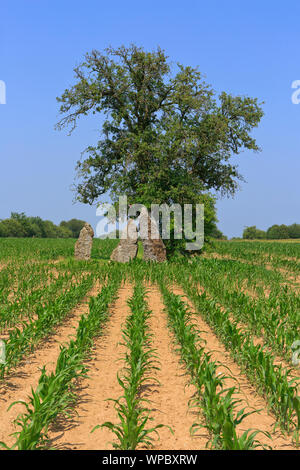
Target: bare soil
(92,408)
(170,398)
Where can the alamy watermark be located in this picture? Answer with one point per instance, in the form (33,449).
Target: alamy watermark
(187,221)
(2,352)
(296,353)
(2,92)
(296,93)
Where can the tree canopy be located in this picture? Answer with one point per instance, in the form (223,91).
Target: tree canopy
(74,225)
(275,232)
(165,137)
(253,233)
(278,232)
(294,231)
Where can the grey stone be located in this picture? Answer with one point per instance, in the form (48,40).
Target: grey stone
(128,245)
(154,248)
(83,246)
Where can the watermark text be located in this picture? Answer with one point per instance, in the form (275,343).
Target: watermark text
(296,93)
(2,92)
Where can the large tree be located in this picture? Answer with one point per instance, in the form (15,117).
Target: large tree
(165,136)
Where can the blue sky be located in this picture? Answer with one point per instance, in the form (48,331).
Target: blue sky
(248,48)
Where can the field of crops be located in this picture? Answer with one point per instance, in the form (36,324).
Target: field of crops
(201,353)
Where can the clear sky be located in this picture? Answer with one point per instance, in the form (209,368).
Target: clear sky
(248,48)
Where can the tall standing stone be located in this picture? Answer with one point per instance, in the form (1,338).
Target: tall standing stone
(83,246)
(128,245)
(154,247)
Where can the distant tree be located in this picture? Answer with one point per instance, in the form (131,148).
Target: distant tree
(294,231)
(35,230)
(253,233)
(278,232)
(37,227)
(24,221)
(64,232)
(19,225)
(11,228)
(261,234)
(50,230)
(275,232)
(74,225)
(216,233)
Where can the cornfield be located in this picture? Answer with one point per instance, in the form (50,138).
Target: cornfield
(201,353)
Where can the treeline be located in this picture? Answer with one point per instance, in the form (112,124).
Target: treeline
(276,232)
(21,226)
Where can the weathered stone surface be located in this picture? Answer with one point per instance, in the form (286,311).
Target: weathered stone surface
(154,248)
(128,246)
(83,246)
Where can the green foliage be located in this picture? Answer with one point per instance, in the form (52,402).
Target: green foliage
(216,233)
(278,232)
(294,231)
(253,233)
(46,248)
(178,247)
(167,138)
(19,225)
(11,228)
(73,225)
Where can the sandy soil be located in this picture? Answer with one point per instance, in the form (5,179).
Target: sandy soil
(170,398)
(92,408)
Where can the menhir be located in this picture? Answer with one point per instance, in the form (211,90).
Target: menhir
(128,245)
(154,248)
(83,246)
